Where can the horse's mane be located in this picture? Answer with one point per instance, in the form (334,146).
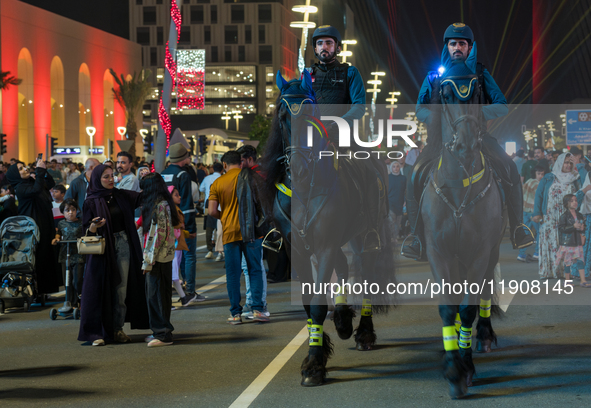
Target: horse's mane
(273,150)
(434,133)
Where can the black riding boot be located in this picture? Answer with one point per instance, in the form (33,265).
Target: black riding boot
(412,246)
(521,235)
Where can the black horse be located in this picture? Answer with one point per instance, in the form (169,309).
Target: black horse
(317,205)
(464,221)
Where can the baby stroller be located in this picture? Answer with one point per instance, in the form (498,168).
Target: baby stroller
(19,236)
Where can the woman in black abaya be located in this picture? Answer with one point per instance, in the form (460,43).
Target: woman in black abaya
(113,291)
(34,200)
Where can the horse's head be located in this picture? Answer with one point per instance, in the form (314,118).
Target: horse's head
(296,102)
(460,95)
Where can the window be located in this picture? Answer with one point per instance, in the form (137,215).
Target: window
(149,15)
(138,2)
(143,35)
(231,35)
(214,54)
(153,56)
(261,34)
(202,1)
(265,13)
(196,14)
(207,35)
(241,53)
(159,36)
(265,54)
(158,1)
(228,54)
(186,1)
(214,14)
(185,37)
(248,34)
(237,14)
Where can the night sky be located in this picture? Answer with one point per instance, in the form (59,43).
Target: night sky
(404,38)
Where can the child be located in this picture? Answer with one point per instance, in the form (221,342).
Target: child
(70,228)
(158,220)
(570,227)
(180,234)
(8,206)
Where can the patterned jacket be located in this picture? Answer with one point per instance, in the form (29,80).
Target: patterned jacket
(160,242)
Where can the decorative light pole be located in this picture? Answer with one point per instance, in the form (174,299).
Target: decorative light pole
(344,52)
(227,117)
(121,130)
(375,82)
(164,124)
(90,131)
(392,99)
(304,25)
(237,116)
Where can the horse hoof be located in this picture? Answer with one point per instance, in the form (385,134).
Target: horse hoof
(363,347)
(312,381)
(483,346)
(458,390)
(469,378)
(343,321)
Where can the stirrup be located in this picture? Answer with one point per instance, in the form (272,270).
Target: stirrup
(274,246)
(379,243)
(414,238)
(528,243)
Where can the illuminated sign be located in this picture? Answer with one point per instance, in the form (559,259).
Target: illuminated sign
(190,79)
(96,150)
(68,150)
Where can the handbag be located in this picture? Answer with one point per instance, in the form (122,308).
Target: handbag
(91,245)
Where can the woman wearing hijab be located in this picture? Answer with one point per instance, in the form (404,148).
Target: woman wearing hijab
(563,180)
(114,286)
(34,200)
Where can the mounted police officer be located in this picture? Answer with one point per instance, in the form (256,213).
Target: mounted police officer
(339,87)
(458,42)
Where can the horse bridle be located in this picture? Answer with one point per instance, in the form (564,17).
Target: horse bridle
(291,151)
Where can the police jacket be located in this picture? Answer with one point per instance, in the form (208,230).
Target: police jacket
(174,175)
(567,234)
(492,93)
(339,84)
(252,221)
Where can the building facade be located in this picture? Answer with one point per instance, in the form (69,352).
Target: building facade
(66,84)
(246,42)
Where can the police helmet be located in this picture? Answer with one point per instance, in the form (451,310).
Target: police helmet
(458,30)
(326,31)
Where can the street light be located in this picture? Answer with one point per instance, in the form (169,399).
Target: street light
(345,53)
(304,25)
(121,130)
(237,116)
(91,130)
(392,99)
(226,117)
(375,82)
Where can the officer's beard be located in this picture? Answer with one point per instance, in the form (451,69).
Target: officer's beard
(326,57)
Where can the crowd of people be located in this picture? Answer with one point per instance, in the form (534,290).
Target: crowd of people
(553,183)
(149,223)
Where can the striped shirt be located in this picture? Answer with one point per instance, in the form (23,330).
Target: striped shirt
(529,195)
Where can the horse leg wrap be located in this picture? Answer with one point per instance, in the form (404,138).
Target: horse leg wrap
(450,338)
(316,334)
(341,297)
(485,306)
(366,308)
(309,324)
(465,337)
(458,322)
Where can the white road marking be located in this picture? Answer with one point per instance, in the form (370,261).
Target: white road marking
(212,285)
(264,378)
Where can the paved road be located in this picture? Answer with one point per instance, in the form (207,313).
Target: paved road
(543,358)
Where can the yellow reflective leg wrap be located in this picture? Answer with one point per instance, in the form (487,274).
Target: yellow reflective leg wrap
(465,337)
(485,308)
(341,297)
(458,322)
(366,308)
(316,331)
(309,323)
(450,338)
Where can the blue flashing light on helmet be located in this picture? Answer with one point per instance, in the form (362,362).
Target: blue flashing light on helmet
(441,70)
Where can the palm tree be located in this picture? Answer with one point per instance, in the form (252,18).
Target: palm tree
(6,80)
(131,95)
